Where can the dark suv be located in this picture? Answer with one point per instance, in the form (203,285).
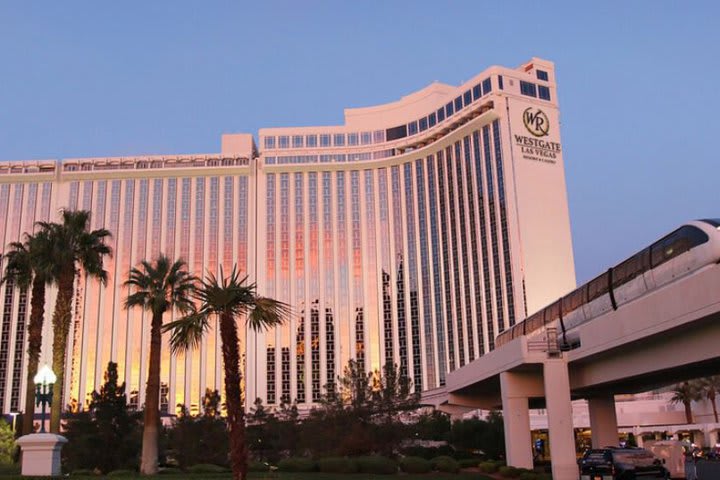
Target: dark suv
(620,464)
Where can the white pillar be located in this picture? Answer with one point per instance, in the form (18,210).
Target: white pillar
(516,417)
(603,421)
(41,454)
(560,420)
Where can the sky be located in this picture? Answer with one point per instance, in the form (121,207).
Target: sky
(637,86)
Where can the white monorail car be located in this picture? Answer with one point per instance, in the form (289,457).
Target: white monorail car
(693,246)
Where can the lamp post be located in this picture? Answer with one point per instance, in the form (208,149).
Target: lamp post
(44,381)
(14,416)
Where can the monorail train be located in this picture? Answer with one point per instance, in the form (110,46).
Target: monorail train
(691,247)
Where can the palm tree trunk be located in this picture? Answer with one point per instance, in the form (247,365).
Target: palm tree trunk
(688,412)
(61,327)
(151,427)
(711,397)
(37,313)
(235,412)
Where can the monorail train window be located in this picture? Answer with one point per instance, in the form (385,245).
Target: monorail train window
(715,222)
(679,241)
(534,322)
(597,287)
(631,268)
(552,312)
(572,301)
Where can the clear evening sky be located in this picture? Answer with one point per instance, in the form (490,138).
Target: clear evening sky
(638,85)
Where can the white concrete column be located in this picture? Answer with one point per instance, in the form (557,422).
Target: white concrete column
(603,421)
(516,417)
(560,420)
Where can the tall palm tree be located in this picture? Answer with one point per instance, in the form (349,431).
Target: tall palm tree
(157,287)
(710,388)
(685,393)
(74,247)
(29,264)
(227,299)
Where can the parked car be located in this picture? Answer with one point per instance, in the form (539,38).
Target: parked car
(620,464)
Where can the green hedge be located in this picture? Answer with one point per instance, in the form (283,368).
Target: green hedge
(469,462)
(122,473)
(489,467)
(415,465)
(509,472)
(206,468)
(377,465)
(258,467)
(445,464)
(297,465)
(529,476)
(338,465)
(167,471)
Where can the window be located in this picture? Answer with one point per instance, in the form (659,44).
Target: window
(440,114)
(269,142)
(486,86)
(412,128)
(284,141)
(365,138)
(527,88)
(297,141)
(458,103)
(449,109)
(477,91)
(500,82)
(423,124)
(541,75)
(311,141)
(431,120)
(325,140)
(467,98)
(397,132)
(339,139)
(543,92)
(352,139)
(680,241)
(378,136)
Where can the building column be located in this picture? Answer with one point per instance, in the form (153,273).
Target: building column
(561,435)
(516,417)
(603,421)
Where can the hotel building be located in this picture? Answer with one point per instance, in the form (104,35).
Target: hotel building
(414,233)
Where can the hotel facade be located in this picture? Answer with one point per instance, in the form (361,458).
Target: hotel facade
(415,233)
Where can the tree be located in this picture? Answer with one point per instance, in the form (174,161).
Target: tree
(29,264)
(106,437)
(157,287)
(74,247)
(709,388)
(227,299)
(686,393)
(7,443)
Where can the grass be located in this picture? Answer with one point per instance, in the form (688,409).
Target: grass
(284,476)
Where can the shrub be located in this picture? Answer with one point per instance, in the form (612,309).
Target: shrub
(529,476)
(489,467)
(82,472)
(377,465)
(122,473)
(428,452)
(337,465)
(296,464)
(469,462)
(445,464)
(509,472)
(206,468)
(415,465)
(169,471)
(258,467)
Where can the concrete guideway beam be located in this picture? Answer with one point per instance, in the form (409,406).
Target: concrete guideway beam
(561,435)
(603,421)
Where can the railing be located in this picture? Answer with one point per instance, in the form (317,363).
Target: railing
(549,344)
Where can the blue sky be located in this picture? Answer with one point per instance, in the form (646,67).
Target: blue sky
(637,85)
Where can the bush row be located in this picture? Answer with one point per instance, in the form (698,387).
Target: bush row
(370,464)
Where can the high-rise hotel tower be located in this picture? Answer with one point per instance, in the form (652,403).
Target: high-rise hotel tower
(414,233)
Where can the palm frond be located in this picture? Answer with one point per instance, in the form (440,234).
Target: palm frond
(267,313)
(187,332)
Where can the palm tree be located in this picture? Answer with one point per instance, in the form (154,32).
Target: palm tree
(74,247)
(227,299)
(710,387)
(158,287)
(685,393)
(29,264)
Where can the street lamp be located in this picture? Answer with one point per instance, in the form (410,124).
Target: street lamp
(44,381)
